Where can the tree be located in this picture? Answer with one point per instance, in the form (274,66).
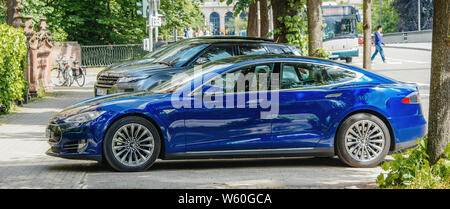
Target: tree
(252,24)
(264,13)
(282,9)
(439,114)
(367,27)
(389,16)
(314,26)
(407,11)
(180,14)
(10,4)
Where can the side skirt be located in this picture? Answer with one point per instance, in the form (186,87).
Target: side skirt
(254,153)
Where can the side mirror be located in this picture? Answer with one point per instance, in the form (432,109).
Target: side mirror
(201,61)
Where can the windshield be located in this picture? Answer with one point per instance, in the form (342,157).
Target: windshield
(338,27)
(179,55)
(181,79)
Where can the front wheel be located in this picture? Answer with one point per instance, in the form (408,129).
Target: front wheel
(363,140)
(131,144)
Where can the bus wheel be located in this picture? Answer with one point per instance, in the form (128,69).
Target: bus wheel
(348,60)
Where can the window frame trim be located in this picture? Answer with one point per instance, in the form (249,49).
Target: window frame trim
(357,77)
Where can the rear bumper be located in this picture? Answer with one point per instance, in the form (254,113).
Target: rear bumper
(344,54)
(407,130)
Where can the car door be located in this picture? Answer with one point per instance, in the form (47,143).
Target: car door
(237,123)
(309,103)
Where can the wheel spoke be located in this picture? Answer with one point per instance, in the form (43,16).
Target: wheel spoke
(364,140)
(133,144)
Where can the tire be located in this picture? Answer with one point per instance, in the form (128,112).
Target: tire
(56,77)
(142,160)
(372,148)
(348,60)
(81,80)
(68,77)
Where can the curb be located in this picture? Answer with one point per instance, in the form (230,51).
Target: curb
(405,47)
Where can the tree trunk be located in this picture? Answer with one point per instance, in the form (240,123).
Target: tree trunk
(264,13)
(280,8)
(314,12)
(439,115)
(252,24)
(367,27)
(10,11)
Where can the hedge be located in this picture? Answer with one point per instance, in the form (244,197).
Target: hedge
(13,60)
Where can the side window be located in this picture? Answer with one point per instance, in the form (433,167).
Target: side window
(301,75)
(215,53)
(252,50)
(249,78)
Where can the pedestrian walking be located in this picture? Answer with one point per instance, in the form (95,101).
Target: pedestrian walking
(378,44)
(159,43)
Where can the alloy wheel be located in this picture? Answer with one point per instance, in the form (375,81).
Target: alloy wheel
(133,144)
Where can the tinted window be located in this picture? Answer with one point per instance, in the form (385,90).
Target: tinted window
(217,52)
(276,49)
(249,78)
(300,75)
(252,50)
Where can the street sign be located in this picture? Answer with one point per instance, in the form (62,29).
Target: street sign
(155,22)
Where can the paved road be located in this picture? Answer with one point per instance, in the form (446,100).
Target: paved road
(24,165)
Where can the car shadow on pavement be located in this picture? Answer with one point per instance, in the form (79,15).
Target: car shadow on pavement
(161,165)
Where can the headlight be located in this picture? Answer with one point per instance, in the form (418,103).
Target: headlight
(84,117)
(131,79)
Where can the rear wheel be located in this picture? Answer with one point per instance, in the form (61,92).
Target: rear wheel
(363,140)
(348,60)
(80,79)
(131,144)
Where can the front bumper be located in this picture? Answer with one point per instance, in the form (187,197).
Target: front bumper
(116,88)
(73,141)
(74,156)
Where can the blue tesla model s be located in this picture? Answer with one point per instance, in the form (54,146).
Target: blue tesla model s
(248,106)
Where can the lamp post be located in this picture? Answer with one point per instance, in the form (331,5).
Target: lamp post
(418,15)
(381,17)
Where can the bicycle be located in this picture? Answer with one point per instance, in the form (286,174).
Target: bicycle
(78,74)
(61,75)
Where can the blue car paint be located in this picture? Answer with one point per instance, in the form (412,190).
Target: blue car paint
(314,126)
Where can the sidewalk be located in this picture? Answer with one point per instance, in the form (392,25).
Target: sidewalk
(23,163)
(416,46)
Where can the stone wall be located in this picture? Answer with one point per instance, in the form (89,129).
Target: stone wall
(66,49)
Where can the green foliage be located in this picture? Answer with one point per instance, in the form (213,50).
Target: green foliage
(3,12)
(13,54)
(413,170)
(238,24)
(180,14)
(389,14)
(296,27)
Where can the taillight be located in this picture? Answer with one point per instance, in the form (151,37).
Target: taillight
(67,66)
(412,98)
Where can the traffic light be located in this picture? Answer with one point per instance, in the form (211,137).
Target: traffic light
(143,8)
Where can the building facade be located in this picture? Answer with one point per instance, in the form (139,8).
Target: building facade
(217,14)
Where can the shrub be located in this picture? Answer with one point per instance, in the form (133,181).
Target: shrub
(13,58)
(413,170)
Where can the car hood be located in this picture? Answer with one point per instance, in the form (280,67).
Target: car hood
(138,68)
(97,102)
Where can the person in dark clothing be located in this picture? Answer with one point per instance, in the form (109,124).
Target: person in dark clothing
(159,43)
(378,44)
